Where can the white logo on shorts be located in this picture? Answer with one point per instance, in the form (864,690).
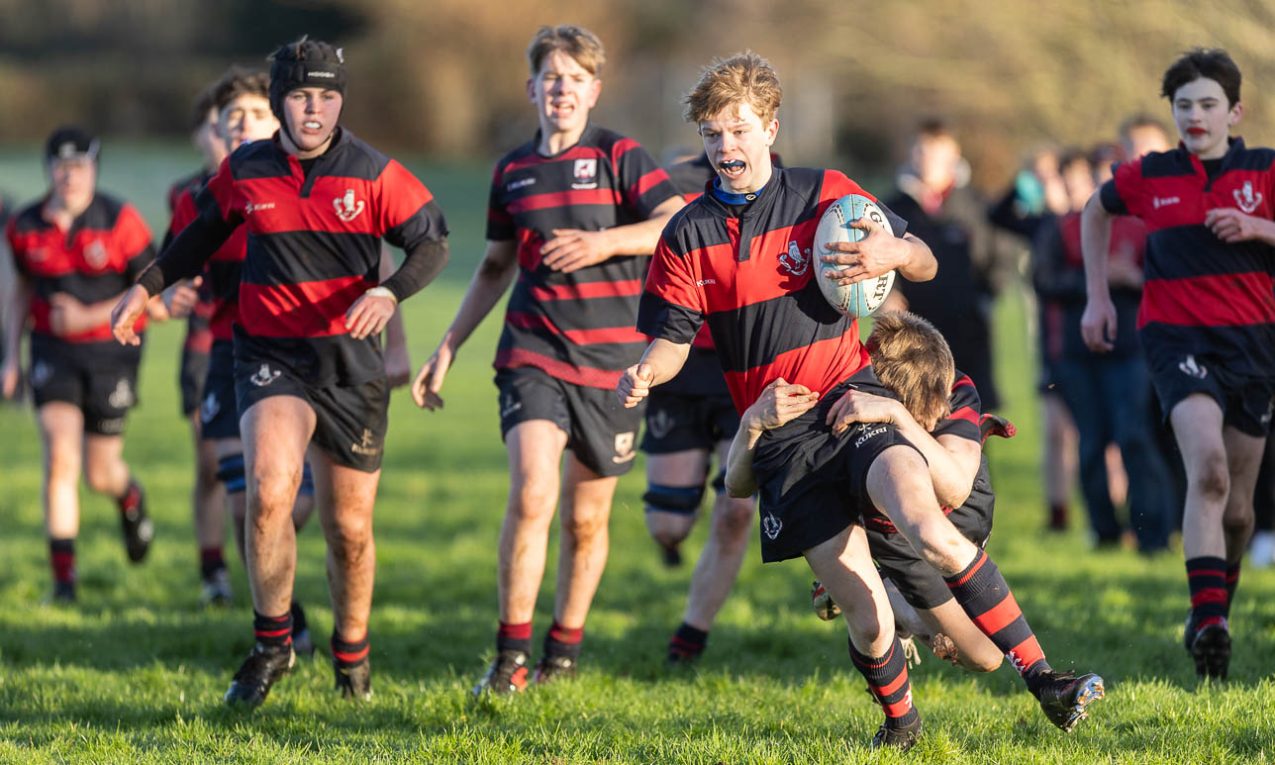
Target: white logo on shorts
(771,526)
(366,445)
(509,405)
(40,374)
(264,376)
(122,396)
(211,407)
(623,448)
(1191,368)
(347,208)
(868,432)
(660,424)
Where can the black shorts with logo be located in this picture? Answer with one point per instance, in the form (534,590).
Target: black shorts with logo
(219,410)
(813,483)
(601,433)
(678,422)
(1246,402)
(921,585)
(350,420)
(98,378)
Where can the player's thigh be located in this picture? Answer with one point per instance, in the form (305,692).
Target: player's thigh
(1197,425)
(585,490)
(535,452)
(276,433)
(844,564)
(61,426)
(345,496)
(684,468)
(101,452)
(1244,461)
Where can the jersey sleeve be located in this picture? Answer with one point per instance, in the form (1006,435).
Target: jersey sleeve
(500,223)
(407,213)
(219,200)
(672,307)
(133,237)
(184,211)
(966,410)
(1123,193)
(643,184)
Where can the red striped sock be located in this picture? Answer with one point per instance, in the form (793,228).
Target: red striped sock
(564,641)
(1232,584)
(347,653)
(514,637)
(887,678)
(62,559)
(985,596)
(1206,579)
(272,631)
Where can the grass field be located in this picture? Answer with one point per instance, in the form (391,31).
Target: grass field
(135,672)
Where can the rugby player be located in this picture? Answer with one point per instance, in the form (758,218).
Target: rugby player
(75,252)
(740,259)
(308,365)
(207,496)
(687,420)
(574,214)
(1206,321)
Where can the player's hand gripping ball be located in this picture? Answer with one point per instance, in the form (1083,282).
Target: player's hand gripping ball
(837,225)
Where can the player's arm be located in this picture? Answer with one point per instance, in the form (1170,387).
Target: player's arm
(16,311)
(1232,226)
(423,263)
(953,461)
(779,403)
(1098,324)
(571,249)
(661,362)
(493,277)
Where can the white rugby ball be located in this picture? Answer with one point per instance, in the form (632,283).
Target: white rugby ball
(861,298)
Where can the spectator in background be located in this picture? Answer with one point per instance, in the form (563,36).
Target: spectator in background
(6,271)
(1106,394)
(974,261)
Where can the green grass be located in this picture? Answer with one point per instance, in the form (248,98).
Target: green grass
(135,672)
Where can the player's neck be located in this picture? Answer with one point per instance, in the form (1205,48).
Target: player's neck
(555,142)
(61,212)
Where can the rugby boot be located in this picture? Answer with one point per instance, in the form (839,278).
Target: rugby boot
(821,601)
(1211,649)
(261,670)
(551,669)
(670,555)
(994,425)
(507,674)
(63,593)
(355,681)
(215,591)
(138,528)
(902,738)
(1064,698)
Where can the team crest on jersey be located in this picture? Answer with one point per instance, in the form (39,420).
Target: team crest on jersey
(771,526)
(210,408)
(122,396)
(1191,368)
(347,207)
(264,376)
(585,174)
(95,254)
(366,445)
(1246,198)
(623,448)
(795,260)
(660,424)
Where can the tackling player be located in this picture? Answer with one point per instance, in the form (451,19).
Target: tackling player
(1206,322)
(75,251)
(308,364)
(574,214)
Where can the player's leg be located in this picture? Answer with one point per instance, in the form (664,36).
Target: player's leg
(61,427)
(1244,461)
(109,396)
(1058,460)
(844,564)
(1125,385)
(899,485)
(715,571)
(582,557)
(1079,382)
(674,493)
(208,499)
(345,497)
(276,432)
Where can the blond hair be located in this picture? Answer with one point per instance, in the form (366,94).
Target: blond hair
(913,359)
(577,42)
(743,78)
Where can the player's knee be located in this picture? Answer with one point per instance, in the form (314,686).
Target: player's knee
(1237,522)
(533,500)
(101,477)
(674,500)
(230,471)
(62,466)
(350,538)
(943,548)
(734,520)
(585,525)
(1212,479)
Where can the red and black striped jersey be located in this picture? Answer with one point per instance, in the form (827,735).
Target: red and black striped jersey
(199,336)
(1202,295)
(192,183)
(95,260)
(313,247)
(751,279)
(576,327)
(219,294)
(961,422)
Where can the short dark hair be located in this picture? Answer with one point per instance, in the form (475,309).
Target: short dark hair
(1140,121)
(1072,156)
(1213,63)
(238,81)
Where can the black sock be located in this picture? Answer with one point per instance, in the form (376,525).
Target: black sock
(564,642)
(346,654)
(299,623)
(211,561)
(888,681)
(514,637)
(62,559)
(687,643)
(272,631)
(1232,584)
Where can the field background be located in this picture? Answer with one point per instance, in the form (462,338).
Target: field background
(135,672)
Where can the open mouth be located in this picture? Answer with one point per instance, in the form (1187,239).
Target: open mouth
(312,125)
(732,167)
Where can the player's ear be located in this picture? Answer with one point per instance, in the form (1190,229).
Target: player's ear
(531,89)
(772,131)
(1237,113)
(595,91)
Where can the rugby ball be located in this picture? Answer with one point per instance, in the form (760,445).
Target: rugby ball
(861,298)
